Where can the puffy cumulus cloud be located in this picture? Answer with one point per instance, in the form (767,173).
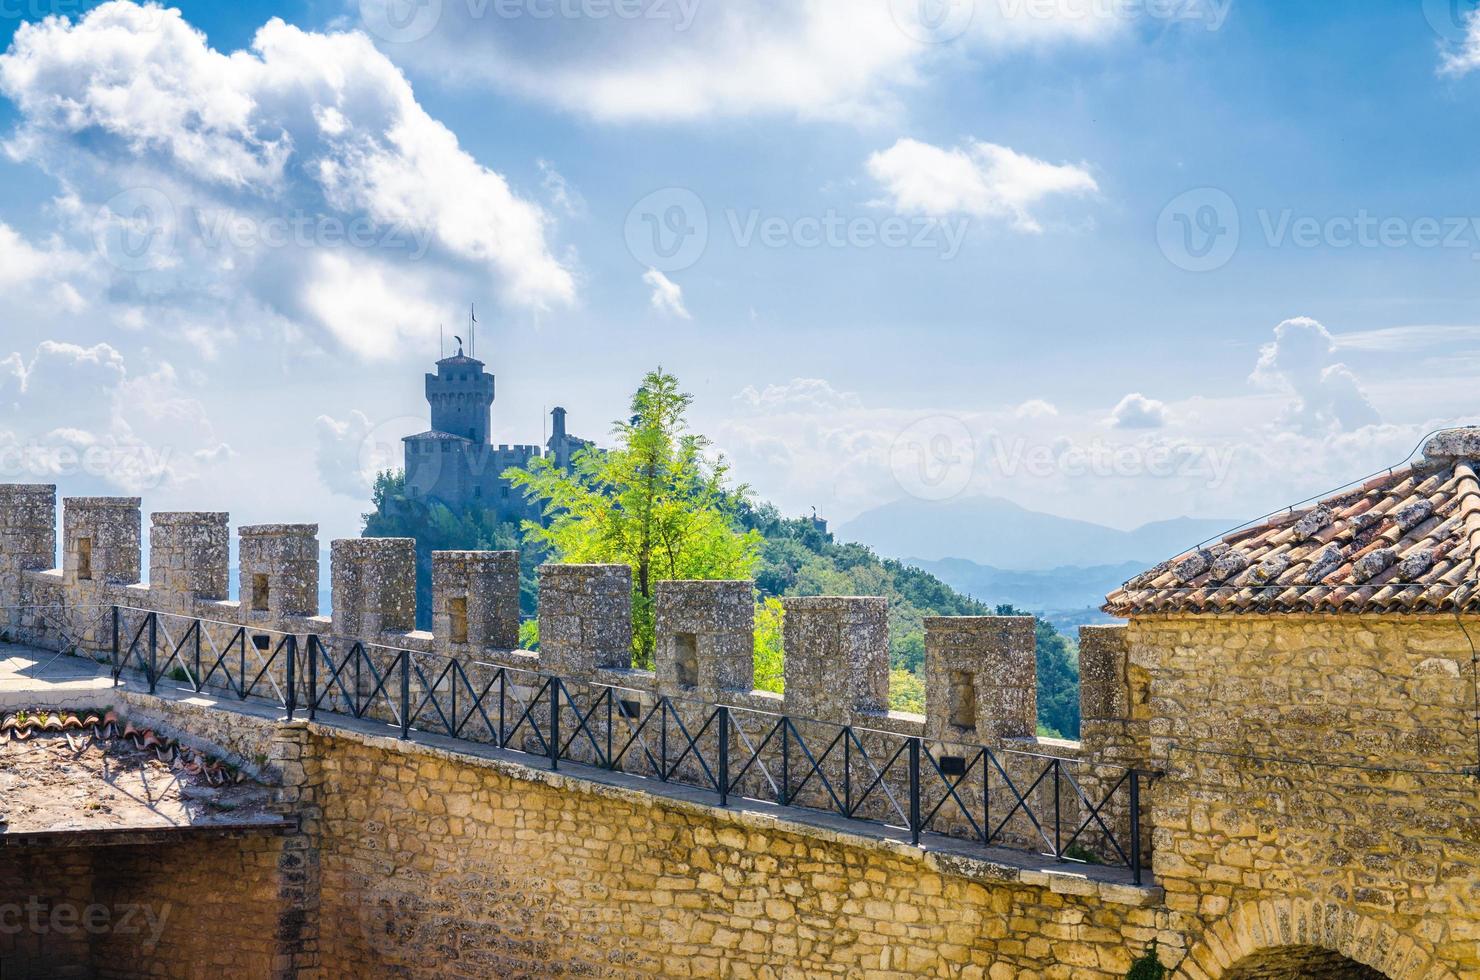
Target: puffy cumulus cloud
(1035,408)
(78,413)
(295,174)
(1136,411)
(983,180)
(667,296)
(1327,395)
(1463,57)
(690,60)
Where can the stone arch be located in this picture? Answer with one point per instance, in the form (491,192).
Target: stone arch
(1283,929)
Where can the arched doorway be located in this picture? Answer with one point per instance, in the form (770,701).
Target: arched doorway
(1300,963)
(1290,938)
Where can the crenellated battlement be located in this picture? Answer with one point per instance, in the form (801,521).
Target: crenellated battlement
(981,672)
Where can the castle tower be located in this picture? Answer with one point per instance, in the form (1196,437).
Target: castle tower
(461,397)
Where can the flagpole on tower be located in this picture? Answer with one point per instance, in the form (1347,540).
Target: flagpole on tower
(473,335)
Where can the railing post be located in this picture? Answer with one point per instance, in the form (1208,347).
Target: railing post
(847,783)
(405,693)
(291,699)
(554,722)
(153,652)
(663,738)
(198,683)
(1136,826)
(915,790)
(313,675)
(1058,837)
(785,762)
(724,755)
(117,648)
(611,695)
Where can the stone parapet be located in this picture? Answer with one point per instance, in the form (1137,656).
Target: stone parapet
(475,600)
(585,619)
(101,540)
(837,656)
(28,539)
(189,556)
(278,568)
(705,637)
(374,586)
(981,677)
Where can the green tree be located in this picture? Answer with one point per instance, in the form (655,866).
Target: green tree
(769,656)
(656,502)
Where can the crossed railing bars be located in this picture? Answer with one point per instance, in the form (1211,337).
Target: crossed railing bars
(911,782)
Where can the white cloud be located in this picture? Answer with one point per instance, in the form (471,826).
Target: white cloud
(1035,408)
(77,413)
(1464,57)
(799,394)
(339,450)
(1136,411)
(667,295)
(558,189)
(691,60)
(274,177)
(1301,361)
(979,179)
(1410,337)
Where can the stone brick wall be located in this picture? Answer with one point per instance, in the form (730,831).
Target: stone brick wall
(436,865)
(585,618)
(28,540)
(187,907)
(1240,708)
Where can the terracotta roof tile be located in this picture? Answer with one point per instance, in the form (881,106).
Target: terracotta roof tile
(1404,541)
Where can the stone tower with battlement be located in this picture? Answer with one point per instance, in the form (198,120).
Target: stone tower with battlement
(455,462)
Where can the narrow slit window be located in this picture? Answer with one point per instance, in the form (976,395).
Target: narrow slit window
(686,652)
(963,699)
(260,593)
(459,612)
(84,558)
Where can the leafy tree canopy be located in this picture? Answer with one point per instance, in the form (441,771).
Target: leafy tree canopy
(656,501)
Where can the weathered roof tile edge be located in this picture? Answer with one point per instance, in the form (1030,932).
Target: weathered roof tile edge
(1402,542)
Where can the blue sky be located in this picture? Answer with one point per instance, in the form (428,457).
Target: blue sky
(1044,329)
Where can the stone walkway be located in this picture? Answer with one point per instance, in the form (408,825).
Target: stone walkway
(34,678)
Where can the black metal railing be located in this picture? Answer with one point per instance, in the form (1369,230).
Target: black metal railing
(1068,808)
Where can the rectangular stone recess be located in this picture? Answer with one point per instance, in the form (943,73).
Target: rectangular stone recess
(475,598)
(279,570)
(705,635)
(836,656)
(585,618)
(981,677)
(112,528)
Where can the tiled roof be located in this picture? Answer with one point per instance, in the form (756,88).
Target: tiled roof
(1404,541)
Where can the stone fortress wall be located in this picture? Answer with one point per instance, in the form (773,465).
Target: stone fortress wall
(1317,810)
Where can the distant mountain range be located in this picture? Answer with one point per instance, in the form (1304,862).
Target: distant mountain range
(997,532)
(999,552)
